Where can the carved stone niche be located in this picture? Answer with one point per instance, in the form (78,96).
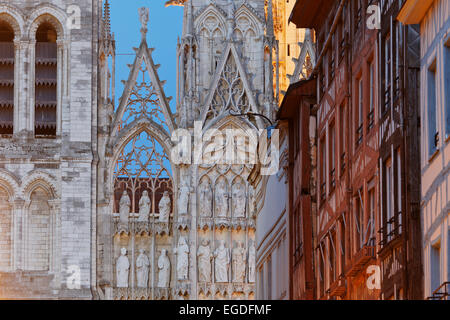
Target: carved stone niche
(249,289)
(222,223)
(142,227)
(120,227)
(162,293)
(205,223)
(162,228)
(251,224)
(223,289)
(239,224)
(142,293)
(182,289)
(122,294)
(205,289)
(184,222)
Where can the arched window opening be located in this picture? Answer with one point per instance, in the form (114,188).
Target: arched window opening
(45,81)
(143,166)
(38,231)
(6,79)
(5,231)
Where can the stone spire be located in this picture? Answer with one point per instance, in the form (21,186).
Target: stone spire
(107,20)
(190,19)
(269,23)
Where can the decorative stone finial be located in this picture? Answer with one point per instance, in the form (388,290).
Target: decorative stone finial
(143,17)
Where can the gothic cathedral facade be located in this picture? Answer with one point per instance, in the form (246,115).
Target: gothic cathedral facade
(93,204)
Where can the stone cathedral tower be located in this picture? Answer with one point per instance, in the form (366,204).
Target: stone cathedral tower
(93,204)
(224,69)
(48,124)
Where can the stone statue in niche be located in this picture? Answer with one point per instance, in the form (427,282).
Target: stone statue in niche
(239,265)
(222,262)
(204,262)
(252,263)
(164,207)
(124,207)
(182,252)
(142,267)
(221,200)
(122,269)
(144,206)
(164,270)
(205,197)
(183,199)
(239,200)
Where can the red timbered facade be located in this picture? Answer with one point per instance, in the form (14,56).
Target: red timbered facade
(399,248)
(366,225)
(298,111)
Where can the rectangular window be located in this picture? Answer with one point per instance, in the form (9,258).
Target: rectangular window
(342,131)
(298,229)
(398,57)
(399,192)
(371,113)
(342,243)
(359,131)
(331,59)
(387,73)
(433,134)
(389,200)
(447,87)
(341,39)
(333,267)
(359,221)
(435,260)
(370,225)
(323,171)
(323,85)
(332,149)
(321,270)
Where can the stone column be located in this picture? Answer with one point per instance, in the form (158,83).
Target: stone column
(60,83)
(17,85)
(31,85)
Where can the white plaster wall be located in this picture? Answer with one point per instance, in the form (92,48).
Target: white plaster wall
(435,204)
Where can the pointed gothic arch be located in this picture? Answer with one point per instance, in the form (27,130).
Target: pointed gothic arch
(143,99)
(142,162)
(211,17)
(10,183)
(254,21)
(230,90)
(40,179)
(40,227)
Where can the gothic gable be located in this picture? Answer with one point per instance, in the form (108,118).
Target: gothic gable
(230,91)
(305,61)
(143,97)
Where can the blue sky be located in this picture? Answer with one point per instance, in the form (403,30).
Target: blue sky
(165,25)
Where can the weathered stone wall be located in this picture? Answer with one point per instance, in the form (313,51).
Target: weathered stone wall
(50,180)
